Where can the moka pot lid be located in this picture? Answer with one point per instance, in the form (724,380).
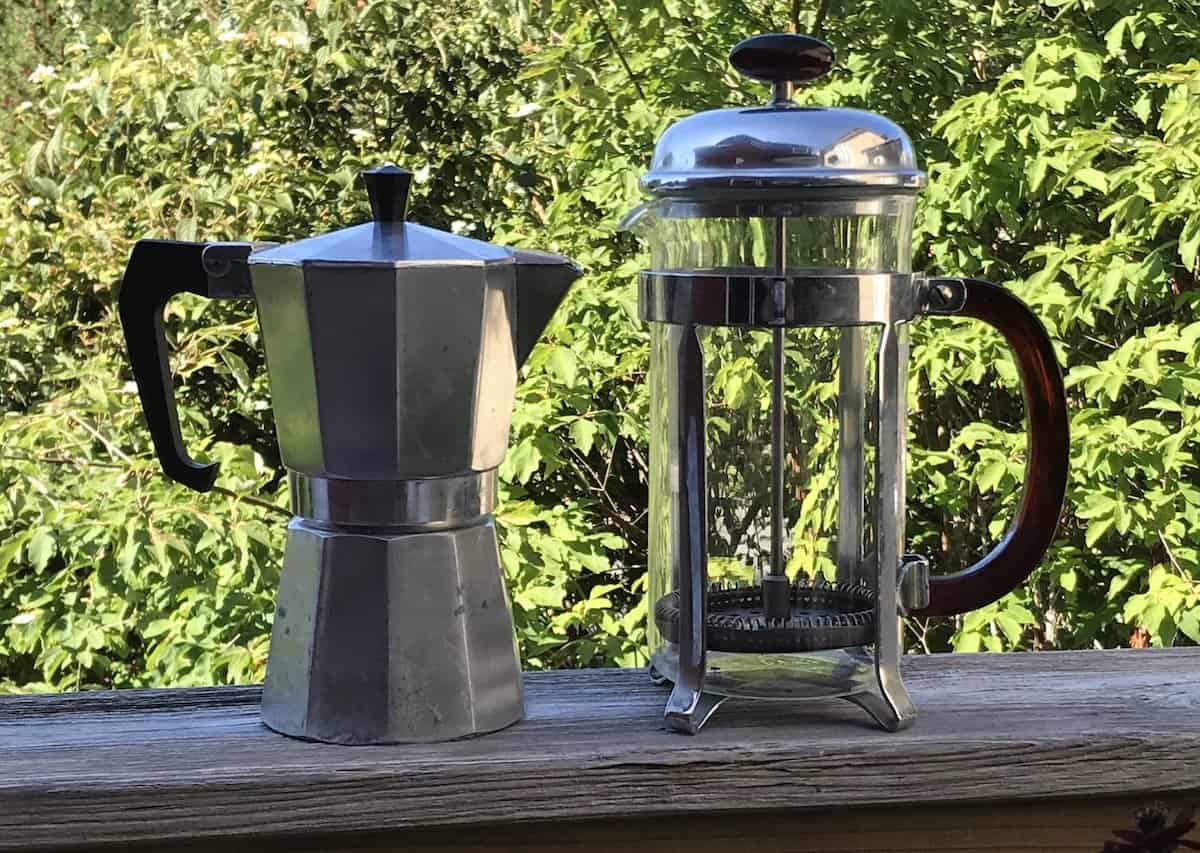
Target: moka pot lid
(387,240)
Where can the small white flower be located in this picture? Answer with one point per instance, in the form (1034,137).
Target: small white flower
(42,72)
(291,40)
(24,618)
(458,226)
(255,167)
(34,202)
(360,135)
(526,110)
(82,83)
(421,175)
(129,388)
(24,105)
(229,35)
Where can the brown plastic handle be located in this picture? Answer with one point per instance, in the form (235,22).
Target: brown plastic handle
(1036,520)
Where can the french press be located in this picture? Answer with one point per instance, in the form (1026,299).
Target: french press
(392,352)
(779,297)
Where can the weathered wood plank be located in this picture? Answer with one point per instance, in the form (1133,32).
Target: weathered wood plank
(1073,826)
(164,765)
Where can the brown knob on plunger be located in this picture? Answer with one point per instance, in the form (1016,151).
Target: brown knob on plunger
(783,60)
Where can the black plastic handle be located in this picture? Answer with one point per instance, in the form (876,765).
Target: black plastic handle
(782,58)
(1034,525)
(387,188)
(158,270)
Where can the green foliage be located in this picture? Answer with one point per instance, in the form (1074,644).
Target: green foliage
(1063,146)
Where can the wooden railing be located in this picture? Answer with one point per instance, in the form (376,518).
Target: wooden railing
(1009,752)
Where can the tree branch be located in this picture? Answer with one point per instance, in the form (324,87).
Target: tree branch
(82,465)
(612,40)
(759,504)
(576,461)
(250,499)
(819,18)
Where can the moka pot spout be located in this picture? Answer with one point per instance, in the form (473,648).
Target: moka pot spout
(543,280)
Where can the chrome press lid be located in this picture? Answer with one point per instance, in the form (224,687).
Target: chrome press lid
(782,145)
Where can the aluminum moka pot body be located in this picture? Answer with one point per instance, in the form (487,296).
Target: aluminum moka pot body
(392,351)
(779,298)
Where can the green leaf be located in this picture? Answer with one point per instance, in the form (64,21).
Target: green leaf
(564,365)
(991,475)
(522,461)
(1096,529)
(157,628)
(1115,35)
(968,642)
(1189,240)
(284,202)
(9,552)
(40,549)
(1141,107)
(583,433)
(1035,172)
(186,229)
(1093,178)
(1088,65)
(1011,627)
(1189,625)
(976,619)
(1019,612)
(542,596)
(1068,580)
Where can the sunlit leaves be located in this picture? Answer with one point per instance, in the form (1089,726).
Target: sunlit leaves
(1062,141)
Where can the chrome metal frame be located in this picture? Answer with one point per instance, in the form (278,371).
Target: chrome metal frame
(852,402)
(890,706)
(732,298)
(688,706)
(853,301)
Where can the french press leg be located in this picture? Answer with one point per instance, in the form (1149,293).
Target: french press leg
(688,706)
(851,440)
(888,702)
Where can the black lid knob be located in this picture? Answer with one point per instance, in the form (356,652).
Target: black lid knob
(387,187)
(782,58)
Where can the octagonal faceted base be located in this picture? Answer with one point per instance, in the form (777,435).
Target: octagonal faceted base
(403,638)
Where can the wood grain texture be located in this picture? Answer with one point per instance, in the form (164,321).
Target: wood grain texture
(159,766)
(1038,827)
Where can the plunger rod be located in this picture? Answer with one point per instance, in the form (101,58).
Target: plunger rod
(777,460)
(776,592)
